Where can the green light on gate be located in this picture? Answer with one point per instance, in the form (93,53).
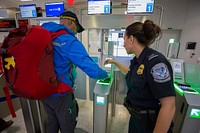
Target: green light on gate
(107,81)
(100,100)
(195,113)
(102,83)
(178,90)
(181,92)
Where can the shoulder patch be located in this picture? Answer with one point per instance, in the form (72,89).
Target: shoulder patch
(160,73)
(152,56)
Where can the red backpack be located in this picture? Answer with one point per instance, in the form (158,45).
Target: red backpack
(28,63)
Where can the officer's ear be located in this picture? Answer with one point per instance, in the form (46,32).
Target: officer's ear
(132,38)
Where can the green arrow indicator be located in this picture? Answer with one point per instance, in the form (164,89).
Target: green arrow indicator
(195,113)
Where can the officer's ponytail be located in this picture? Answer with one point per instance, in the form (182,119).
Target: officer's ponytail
(151,31)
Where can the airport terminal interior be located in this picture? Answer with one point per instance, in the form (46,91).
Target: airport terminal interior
(101,108)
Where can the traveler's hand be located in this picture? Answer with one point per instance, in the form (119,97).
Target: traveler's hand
(106,80)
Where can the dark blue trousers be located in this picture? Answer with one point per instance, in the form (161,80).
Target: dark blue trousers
(144,124)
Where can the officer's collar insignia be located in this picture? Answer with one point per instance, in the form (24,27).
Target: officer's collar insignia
(160,73)
(140,69)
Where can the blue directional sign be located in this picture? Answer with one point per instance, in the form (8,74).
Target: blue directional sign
(106,8)
(149,7)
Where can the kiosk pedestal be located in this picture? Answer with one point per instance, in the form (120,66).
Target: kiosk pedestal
(102,106)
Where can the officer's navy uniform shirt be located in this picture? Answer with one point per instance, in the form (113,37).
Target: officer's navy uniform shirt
(149,79)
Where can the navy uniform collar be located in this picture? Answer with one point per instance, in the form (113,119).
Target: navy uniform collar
(142,55)
(141,58)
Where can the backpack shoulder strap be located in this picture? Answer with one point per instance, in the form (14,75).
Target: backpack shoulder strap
(9,101)
(58,33)
(62,87)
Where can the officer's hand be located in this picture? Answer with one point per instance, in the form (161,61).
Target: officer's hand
(108,61)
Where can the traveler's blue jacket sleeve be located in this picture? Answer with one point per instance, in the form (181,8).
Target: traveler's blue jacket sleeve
(68,50)
(78,55)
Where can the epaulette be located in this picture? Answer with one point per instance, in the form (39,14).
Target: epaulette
(152,57)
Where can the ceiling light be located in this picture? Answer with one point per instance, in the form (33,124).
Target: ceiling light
(26,0)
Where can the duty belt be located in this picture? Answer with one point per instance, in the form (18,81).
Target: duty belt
(132,111)
(138,112)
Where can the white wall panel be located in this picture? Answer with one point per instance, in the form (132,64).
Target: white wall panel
(191,32)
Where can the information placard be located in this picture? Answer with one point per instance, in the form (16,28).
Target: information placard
(99,6)
(140,6)
(28,11)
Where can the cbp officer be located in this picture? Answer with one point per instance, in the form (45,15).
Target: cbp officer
(151,97)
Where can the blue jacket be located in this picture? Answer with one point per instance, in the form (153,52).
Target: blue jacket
(68,50)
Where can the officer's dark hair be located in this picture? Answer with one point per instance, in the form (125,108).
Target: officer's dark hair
(145,33)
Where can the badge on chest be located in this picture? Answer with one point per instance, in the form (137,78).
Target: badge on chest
(140,69)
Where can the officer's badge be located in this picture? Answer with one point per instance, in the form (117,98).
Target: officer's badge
(160,73)
(140,69)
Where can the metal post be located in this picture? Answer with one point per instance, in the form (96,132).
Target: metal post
(39,116)
(16,19)
(27,113)
(159,6)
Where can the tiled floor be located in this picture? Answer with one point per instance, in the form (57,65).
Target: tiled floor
(85,122)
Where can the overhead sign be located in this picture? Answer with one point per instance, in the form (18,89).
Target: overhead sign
(140,6)
(99,6)
(28,11)
(195,113)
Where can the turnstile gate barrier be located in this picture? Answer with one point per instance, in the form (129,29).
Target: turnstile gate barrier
(103,105)
(187,115)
